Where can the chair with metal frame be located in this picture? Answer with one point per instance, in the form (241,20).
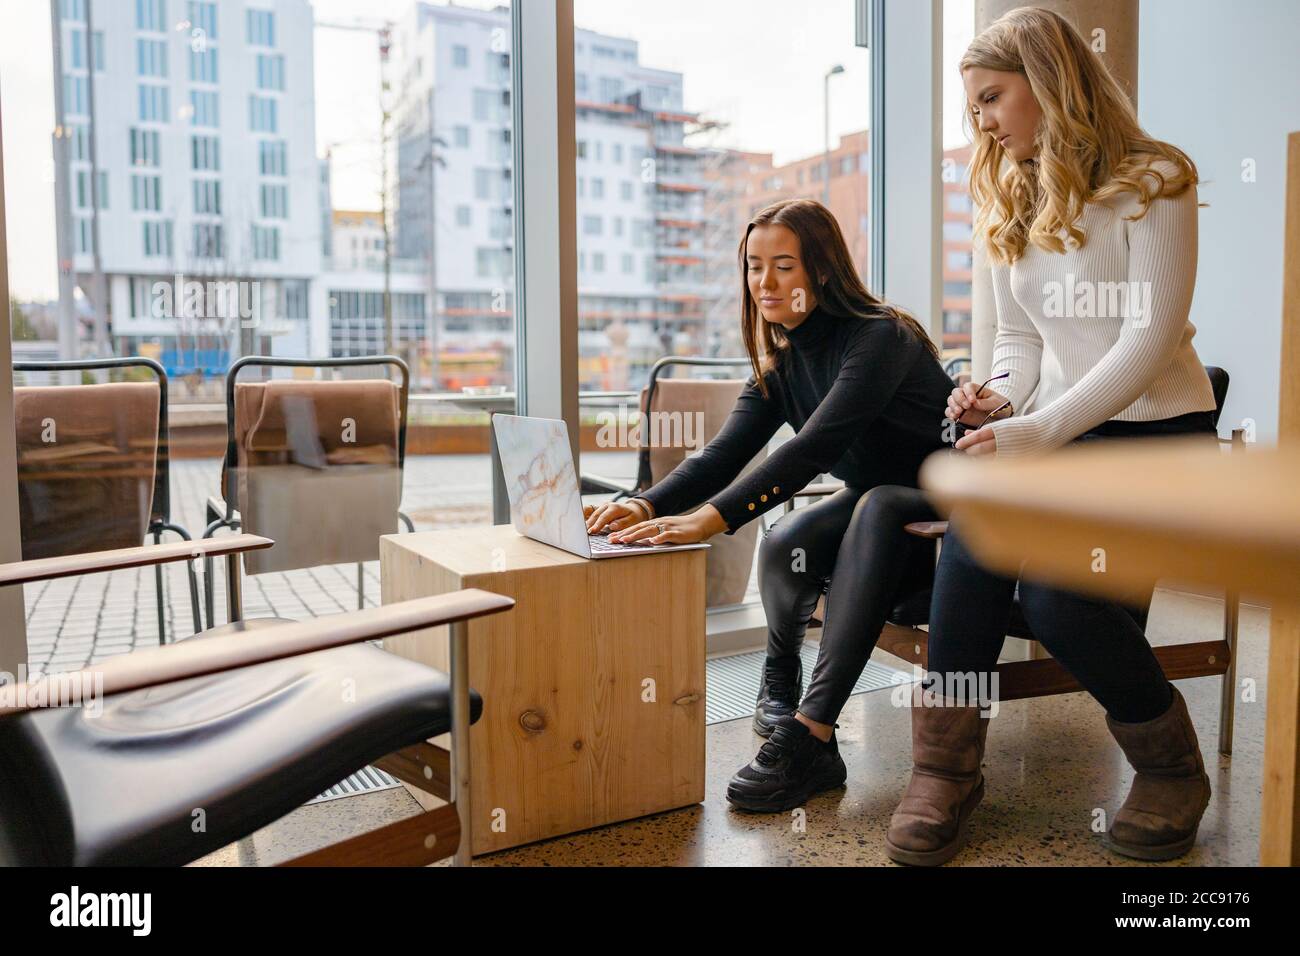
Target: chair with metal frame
(596,484)
(730,560)
(162,756)
(953,364)
(160,520)
(226,511)
(905,636)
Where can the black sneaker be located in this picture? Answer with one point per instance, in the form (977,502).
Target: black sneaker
(787,770)
(778,695)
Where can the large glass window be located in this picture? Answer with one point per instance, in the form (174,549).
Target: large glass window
(154,103)
(207,197)
(271,158)
(146,193)
(270,71)
(145,148)
(681,139)
(151,15)
(958,31)
(203,64)
(150,58)
(275,201)
(205,153)
(261,28)
(158,238)
(203,18)
(680,142)
(263,114)
(232,150)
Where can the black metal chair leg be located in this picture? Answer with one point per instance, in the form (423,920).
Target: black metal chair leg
(209,602)
(195,613)
(209,597)
(158,595)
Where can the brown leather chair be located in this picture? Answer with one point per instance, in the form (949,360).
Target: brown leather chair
(314,465)
(94,464)
(730,561)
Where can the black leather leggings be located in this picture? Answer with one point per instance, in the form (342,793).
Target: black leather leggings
(852,546)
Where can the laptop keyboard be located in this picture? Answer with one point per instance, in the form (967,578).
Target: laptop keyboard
(600,542)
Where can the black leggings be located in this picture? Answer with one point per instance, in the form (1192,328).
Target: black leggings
(1099,642)
(852,546)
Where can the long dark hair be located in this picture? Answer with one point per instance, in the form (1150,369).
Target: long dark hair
(831,272)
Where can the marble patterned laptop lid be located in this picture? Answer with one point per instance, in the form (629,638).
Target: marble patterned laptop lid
(537,464)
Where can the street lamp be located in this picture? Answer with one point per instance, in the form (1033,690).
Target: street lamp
(826,112)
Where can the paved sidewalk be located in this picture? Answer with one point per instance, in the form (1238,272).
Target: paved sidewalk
(72,622)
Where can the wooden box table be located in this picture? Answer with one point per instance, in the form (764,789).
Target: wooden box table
(592,686)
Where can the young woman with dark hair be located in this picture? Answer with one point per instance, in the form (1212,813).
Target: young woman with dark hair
(861,383)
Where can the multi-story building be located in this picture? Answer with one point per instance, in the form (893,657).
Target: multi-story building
(958,248)
(204,131)
(454,191)
(751,181)
(348,297)
(640,194)
(757,182)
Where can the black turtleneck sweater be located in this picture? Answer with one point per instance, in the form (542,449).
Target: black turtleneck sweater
(865,397)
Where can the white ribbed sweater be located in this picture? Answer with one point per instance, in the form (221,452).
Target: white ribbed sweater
(1100,332)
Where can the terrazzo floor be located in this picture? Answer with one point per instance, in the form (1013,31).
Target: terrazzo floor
(1050,765)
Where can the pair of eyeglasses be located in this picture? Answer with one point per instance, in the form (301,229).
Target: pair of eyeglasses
(988,418)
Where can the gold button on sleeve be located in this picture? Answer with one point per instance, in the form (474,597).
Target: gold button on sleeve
(751,506)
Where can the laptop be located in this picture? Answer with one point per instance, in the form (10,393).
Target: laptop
(545,501)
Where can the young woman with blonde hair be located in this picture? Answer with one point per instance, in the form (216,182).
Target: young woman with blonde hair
(1089,225)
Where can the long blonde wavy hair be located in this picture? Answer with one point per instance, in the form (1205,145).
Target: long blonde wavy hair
(1090,144)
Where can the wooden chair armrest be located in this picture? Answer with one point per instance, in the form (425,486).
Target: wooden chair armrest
(44,569)
(927,529)
(228,652)
(818,490)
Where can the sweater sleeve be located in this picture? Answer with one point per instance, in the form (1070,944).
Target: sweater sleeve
(1162,274)
(1017,346)
(750,426)
(875,363)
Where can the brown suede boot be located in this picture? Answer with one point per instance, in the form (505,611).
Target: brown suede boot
(929,826)
(1159,818)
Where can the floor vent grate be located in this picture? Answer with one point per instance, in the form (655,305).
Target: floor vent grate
(732,682)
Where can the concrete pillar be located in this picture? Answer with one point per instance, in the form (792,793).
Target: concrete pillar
(1117,42)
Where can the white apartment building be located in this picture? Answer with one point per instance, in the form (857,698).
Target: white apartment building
(348,297)
(204,123)
(640,192)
